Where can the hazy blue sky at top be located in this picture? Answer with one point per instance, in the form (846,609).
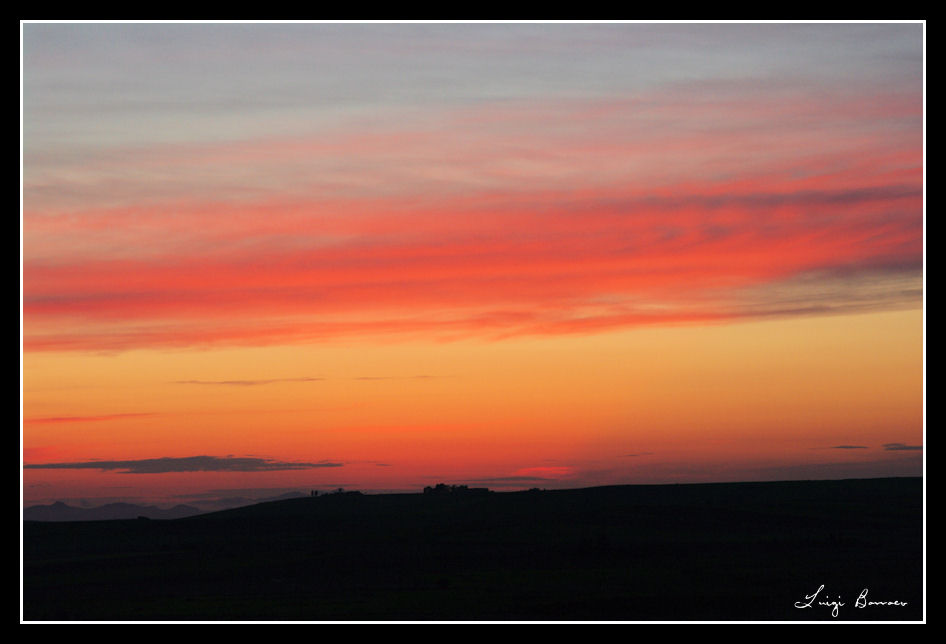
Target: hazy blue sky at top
(99,84)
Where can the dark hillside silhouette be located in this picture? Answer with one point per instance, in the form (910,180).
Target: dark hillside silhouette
(742,551)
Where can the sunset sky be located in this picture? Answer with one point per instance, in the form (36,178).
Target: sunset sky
(262,257)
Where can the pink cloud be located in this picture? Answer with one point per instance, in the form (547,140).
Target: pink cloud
(506,219)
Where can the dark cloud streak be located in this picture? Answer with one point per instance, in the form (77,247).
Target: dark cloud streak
(185,464)
(901,447)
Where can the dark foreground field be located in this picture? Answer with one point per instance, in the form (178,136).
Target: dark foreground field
(745,551)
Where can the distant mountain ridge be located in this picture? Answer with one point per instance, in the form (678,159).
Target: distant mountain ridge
(59,511)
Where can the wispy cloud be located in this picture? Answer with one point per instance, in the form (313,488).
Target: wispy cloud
(511,479)
(897,447)
(85,419)
(185,464)
(245,383)
(848,447)
(421,377)
(527,475)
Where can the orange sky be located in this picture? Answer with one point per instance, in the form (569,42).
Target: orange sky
(657,404)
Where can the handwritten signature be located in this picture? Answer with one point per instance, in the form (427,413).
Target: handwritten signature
(835,604)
